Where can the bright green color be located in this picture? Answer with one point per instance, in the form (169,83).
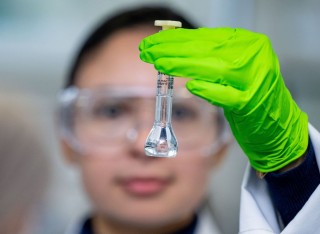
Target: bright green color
(237,70)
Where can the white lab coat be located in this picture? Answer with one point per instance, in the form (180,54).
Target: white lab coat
(205,225)
(257,214)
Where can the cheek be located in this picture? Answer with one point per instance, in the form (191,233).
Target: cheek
(97,178)
(193,175)
(194,172)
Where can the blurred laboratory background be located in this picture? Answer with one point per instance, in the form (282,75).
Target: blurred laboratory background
(38,40)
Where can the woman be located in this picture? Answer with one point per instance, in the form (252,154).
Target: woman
(106,114)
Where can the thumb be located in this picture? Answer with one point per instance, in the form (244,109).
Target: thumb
(225,96)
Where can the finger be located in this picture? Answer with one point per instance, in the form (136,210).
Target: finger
(226,97)
(182,35)
(193,49)
(214,70)
(231,56)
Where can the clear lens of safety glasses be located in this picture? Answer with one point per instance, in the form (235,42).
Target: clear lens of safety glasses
(104,120)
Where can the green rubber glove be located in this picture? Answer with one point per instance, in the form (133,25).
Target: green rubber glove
(237,70)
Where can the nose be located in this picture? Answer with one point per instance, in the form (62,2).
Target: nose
(136,140)
(138,134)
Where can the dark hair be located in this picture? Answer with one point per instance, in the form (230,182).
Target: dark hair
(125,19)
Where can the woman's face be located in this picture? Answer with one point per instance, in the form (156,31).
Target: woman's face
(130,187)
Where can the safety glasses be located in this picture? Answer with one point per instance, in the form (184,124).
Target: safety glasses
(106,119)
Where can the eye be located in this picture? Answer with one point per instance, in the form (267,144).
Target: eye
(183,113)
(109,110)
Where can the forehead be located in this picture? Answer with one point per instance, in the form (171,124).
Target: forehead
(116,62)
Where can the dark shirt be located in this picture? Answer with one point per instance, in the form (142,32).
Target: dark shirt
(290,190)
(189,229)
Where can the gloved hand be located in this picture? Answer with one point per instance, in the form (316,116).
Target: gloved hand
(237,70)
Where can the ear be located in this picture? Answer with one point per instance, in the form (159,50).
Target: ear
(69,154)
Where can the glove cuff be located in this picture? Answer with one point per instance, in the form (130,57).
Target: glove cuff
(274,134)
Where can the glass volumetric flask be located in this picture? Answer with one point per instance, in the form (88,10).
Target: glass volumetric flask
(161,141)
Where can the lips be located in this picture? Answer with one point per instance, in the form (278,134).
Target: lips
(145,186)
